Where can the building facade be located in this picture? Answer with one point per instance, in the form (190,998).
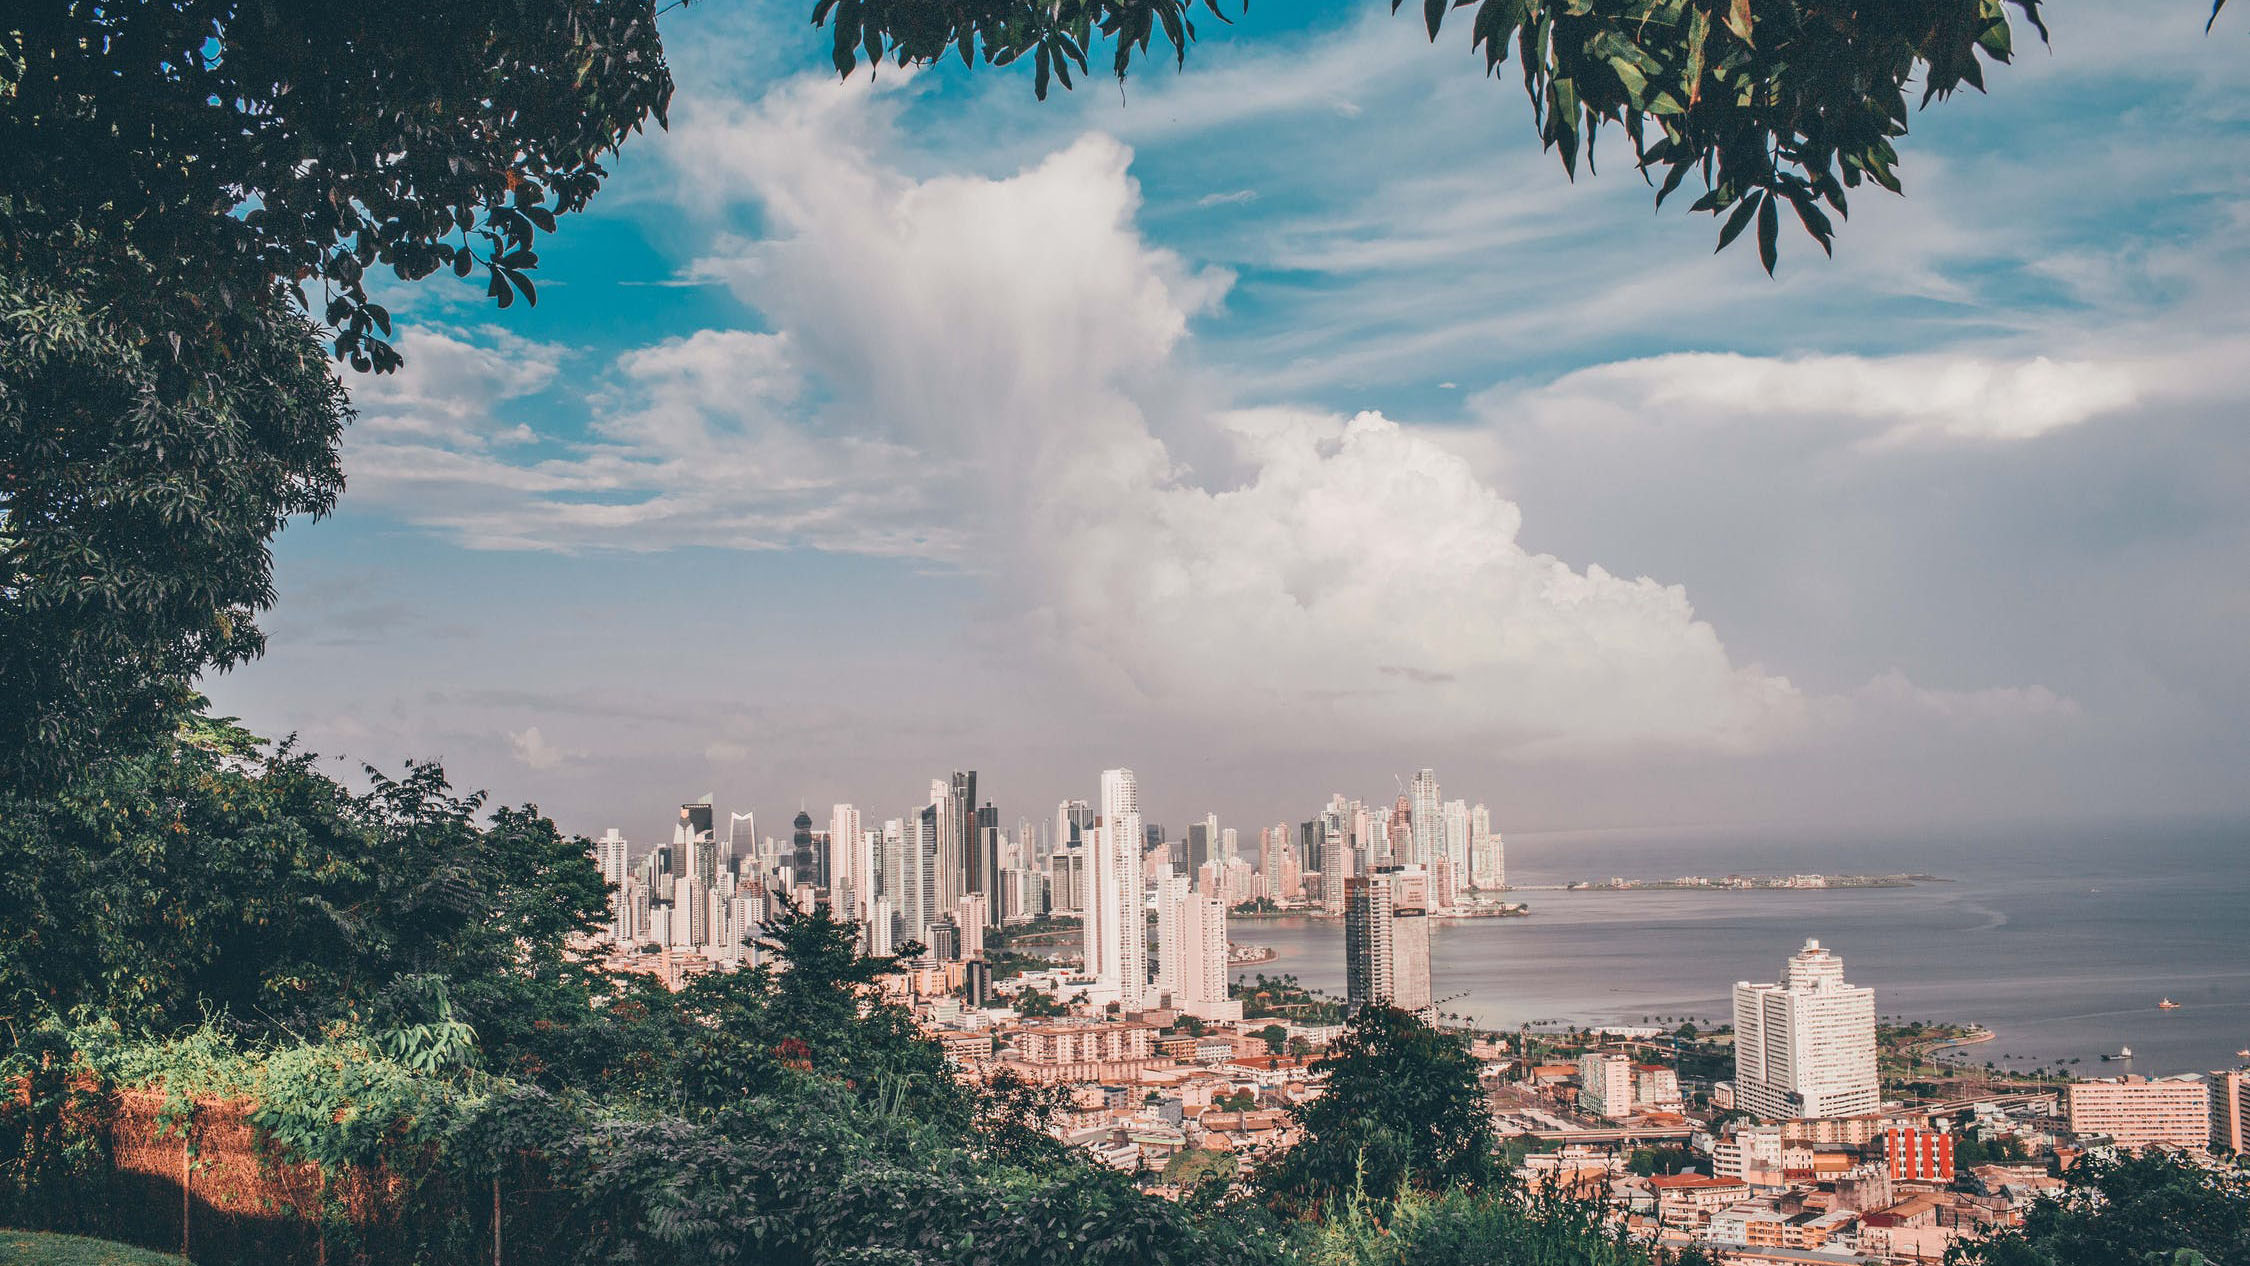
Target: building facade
(1805,1046)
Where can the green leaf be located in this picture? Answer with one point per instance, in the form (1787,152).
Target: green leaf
(1433,13)
(1738,20)
(1740,219)
(1769,233)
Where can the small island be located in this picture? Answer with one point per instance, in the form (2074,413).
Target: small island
(1749,883)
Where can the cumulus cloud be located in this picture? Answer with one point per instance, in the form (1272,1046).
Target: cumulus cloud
(1895,400)
(532,750)
(992,371)
(1357,576)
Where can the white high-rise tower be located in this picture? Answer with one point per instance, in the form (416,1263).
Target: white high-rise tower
(1116,918)
(1428,819)
(1805,1047)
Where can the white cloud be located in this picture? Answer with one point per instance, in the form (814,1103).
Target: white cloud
(993,372)
(450,386)
(1356,577)
(1909,399)
(532,750)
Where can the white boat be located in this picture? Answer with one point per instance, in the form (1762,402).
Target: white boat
(2123,1053)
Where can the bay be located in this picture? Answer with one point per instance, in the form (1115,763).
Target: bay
(2061,938)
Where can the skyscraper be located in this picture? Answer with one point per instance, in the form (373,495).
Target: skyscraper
(803,858)
(1805,1047)
(842,881)
(1191,949)
(609,857)
(1456,850)
(1488,863)
(1368,969)
(1386,941)
(742,838)
(1427,816)
(984,860)
(1116,921)
(1195,848)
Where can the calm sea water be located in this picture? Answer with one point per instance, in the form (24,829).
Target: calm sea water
(2059,939)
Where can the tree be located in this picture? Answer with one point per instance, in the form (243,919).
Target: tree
(204,874)
(1767,101)
(1274,1036)
(188,183)
(2151,1208)
(139,487)
(1402,1108)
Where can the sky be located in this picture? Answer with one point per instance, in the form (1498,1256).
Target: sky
(1287,423)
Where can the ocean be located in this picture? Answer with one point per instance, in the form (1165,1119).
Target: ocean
(2061,938)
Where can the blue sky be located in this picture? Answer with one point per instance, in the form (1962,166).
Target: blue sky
(1290,422)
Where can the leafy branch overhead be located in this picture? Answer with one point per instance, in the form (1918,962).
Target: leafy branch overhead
(1768,102)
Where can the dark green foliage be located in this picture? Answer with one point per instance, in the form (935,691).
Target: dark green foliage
(2151,1209)
(189,154)
(1402,1109)
(191,878)
(185,186)
(140,482)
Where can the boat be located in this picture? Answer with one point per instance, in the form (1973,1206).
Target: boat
(2167,1005)
(2244,1053)
(2123,1053)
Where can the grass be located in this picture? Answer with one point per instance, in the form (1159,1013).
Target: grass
(37,1248)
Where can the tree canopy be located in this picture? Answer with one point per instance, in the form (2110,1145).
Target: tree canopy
(1401,1108)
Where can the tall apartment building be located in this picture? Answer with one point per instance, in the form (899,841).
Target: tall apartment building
(1605,1085)
(1488,857)
(1426,820)
(2137,1111)
(1805,1046)
(1386,944)
(1115,921)
(1369,972)
(1191,950)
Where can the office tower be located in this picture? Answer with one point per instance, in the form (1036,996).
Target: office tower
(944,945)
(742,838)
(958,867)
(1398,830)
(1116,920)
(1198,850)
(1456,850)
(1488,866)
(1427,813)
(1074,819)
(1368,968)
(1387,940)
(1805,1047)
(804,859)
(984,859)
(920,906)
(1066,887)
(610,859)
(663,866)
(1230,843)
